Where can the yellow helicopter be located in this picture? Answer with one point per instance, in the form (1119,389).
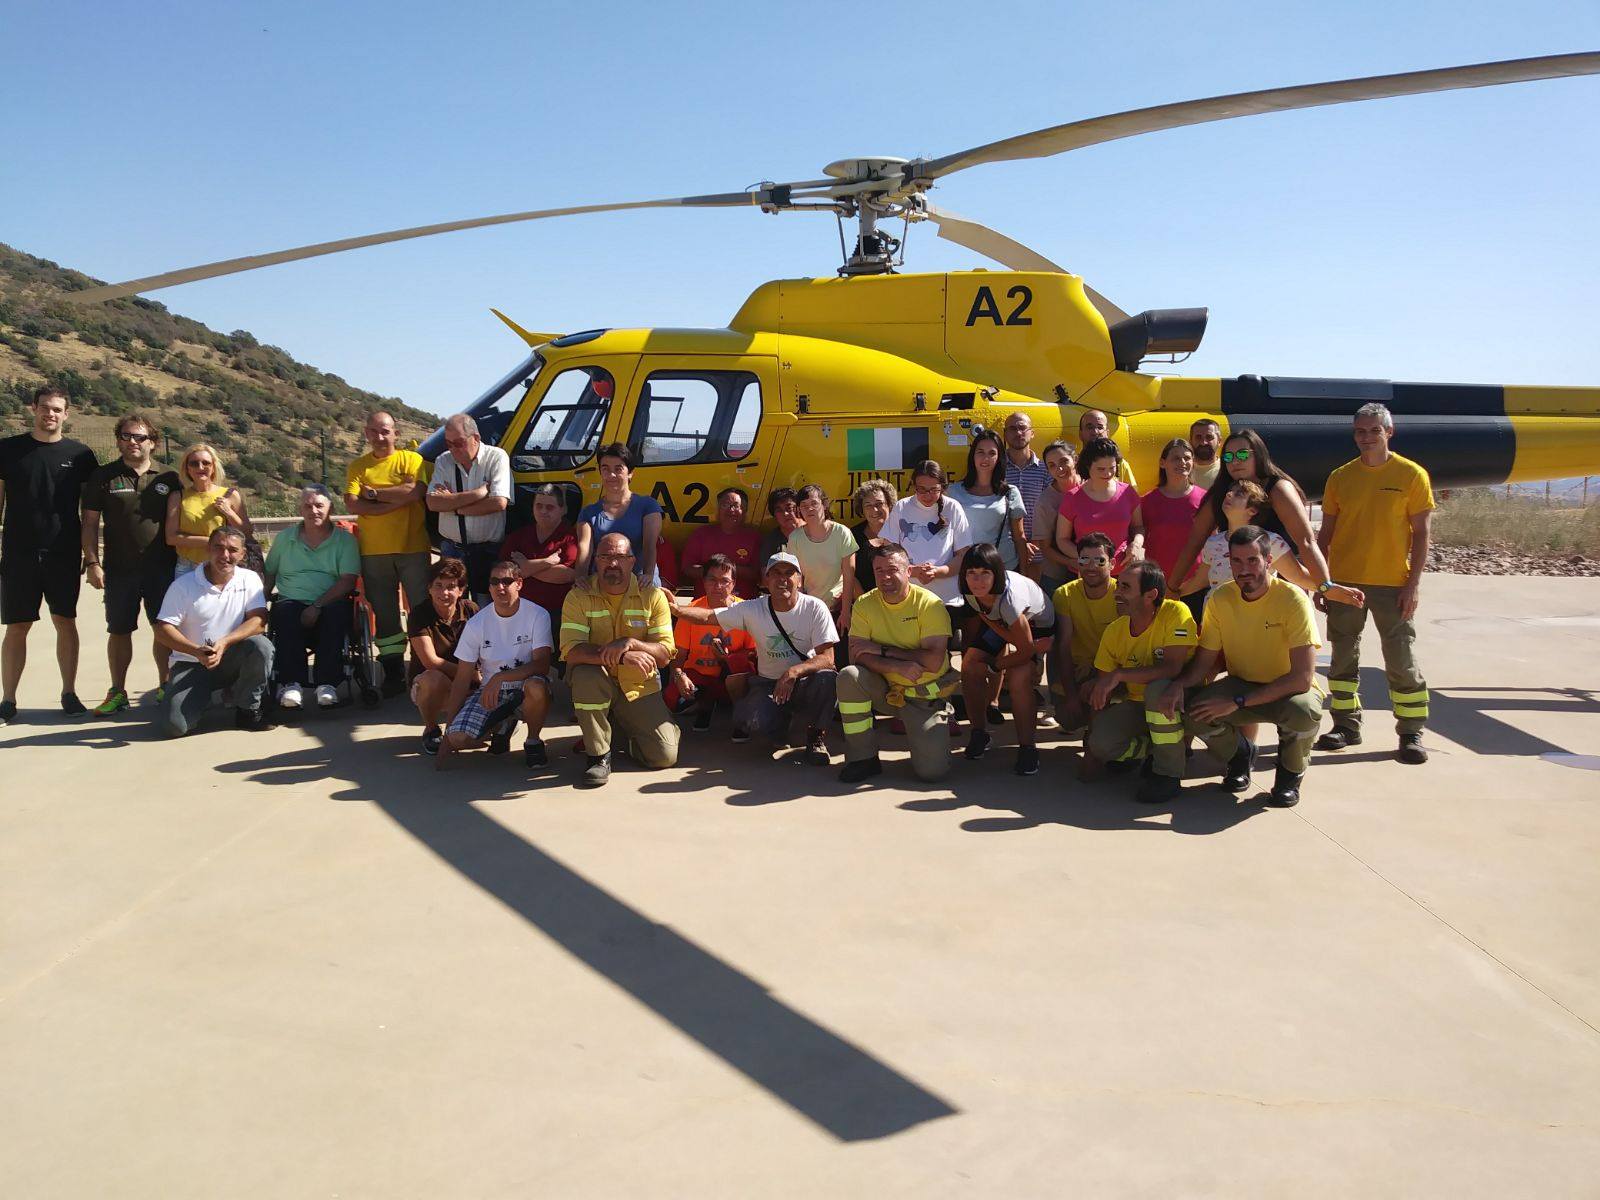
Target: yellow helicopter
(841,379)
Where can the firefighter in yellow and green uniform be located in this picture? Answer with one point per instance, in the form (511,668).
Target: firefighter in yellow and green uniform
(1377,513)
(616,635)
(1140,654)
(900,667)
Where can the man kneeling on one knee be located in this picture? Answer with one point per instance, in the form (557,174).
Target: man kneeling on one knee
(1267,631)
(214,621)
(900,666)
(1140,654)
(616,635)
(502,671)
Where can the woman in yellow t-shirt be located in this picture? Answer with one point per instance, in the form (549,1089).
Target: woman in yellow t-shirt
(206,503)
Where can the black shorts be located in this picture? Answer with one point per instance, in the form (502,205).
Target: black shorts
(26,580)
(127,590)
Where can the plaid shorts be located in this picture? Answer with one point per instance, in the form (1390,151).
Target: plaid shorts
(473,719)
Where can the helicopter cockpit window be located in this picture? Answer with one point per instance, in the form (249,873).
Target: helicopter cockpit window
(696,416)
(566,428)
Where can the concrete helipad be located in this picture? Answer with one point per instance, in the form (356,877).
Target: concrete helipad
(301,964)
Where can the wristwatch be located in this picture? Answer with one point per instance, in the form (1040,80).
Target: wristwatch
(1324,587)
(1238,700)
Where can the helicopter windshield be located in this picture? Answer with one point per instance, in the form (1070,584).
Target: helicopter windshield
(494,409)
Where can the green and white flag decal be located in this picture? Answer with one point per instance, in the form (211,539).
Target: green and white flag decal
(885,449)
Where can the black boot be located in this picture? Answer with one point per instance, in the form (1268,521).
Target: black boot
(1339,737)
(861,770)
(1237,777)
(394,674)
(1285,788)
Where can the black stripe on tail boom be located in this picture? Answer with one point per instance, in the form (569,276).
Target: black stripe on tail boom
(1459,432)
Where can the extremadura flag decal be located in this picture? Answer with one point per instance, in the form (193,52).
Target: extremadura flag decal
(885,449)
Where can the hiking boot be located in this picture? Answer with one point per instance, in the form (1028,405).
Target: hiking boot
(1237,777)
(977,745)
(816,752)
(1338,738)
(116,700)
(1412,750)
(1285,789)
(533,753)
(71,705)
(597,772)
(431,737)
(861,770)
(1158,789)
(1027,760)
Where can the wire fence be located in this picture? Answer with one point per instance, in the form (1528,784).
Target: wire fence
(1559,493)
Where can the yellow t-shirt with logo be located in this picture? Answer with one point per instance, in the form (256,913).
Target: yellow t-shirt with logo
(1257,635)
(1090,619)
(1173,626)
(905,626)
(403,531)
(590,615)
(1372,540)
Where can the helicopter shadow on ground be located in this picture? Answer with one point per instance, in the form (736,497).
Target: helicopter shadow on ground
(839,1086)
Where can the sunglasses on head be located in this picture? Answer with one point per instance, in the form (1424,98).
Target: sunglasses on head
(1229,456)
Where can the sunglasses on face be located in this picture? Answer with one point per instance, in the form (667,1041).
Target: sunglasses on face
(1229,456)
(503,581)
(136,437)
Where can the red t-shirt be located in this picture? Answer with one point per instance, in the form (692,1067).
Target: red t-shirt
(1167,523)
(1113,517)
(526,542)
(743,546)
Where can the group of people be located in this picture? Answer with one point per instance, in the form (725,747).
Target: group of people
(1152,619)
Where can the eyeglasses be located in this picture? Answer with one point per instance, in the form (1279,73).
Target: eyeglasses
(503,581)
(1229,456)
(613,557)
(929,489)
(136,437)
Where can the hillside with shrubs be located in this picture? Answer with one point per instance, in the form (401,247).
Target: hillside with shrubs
(274,419)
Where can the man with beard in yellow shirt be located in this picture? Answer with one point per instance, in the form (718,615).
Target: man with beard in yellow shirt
(1267,629)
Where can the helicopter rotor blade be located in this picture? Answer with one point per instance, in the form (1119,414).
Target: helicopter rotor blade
(1009,252)
(254,262)
(1057,139)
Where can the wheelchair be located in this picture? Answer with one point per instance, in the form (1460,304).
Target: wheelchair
(361,675)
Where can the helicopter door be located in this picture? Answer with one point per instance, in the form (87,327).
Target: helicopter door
(696,427)
(554,440)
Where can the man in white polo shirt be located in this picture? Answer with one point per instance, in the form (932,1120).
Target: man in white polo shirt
(214,620)
(471,491)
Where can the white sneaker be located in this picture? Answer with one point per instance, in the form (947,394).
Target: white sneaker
(290,696)
(327,696)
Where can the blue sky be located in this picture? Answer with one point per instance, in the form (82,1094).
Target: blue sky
(1443,237)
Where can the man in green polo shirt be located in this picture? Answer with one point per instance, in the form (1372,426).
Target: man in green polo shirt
(126,552)
(314,566)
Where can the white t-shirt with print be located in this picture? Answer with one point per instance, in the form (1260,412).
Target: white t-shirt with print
(917,527)
(499,643)
(808,625)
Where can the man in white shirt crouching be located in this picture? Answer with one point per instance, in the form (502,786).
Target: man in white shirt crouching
(214,620)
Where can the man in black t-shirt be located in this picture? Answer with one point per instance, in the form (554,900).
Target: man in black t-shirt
(125,508)
(42,475)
